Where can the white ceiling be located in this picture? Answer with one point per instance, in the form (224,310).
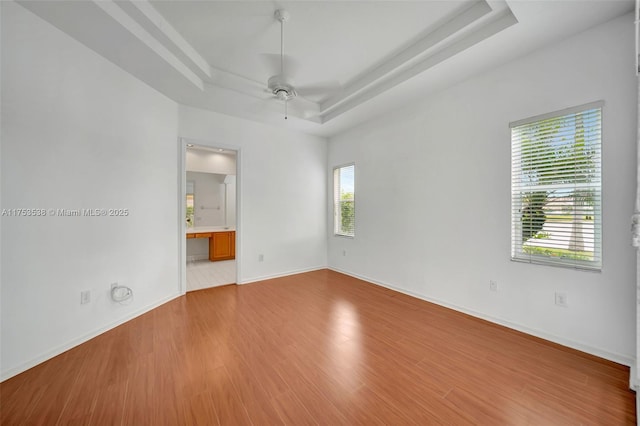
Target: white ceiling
(335,41)
(376,55)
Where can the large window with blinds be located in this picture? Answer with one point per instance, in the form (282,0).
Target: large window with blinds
(344,208)
(556,188)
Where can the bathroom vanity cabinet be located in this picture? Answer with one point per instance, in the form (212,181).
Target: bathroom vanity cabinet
(222,243)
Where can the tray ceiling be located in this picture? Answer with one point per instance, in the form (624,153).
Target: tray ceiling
(375,55)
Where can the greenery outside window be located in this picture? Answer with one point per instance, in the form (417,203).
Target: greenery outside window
(556,188)
(344,200)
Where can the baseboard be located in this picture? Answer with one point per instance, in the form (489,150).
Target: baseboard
(283,274)
(620,359)
(78,341)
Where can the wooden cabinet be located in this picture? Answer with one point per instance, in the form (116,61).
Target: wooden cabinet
(198,235)
(222,246)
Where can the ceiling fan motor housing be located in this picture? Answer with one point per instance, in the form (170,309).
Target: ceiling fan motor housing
(282,87)
(281,15)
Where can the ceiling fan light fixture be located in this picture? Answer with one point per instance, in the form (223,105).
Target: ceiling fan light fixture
(281,88)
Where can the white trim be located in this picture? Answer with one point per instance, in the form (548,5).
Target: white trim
(111,8)
(159,23)
(637,29)
(182,226)
(611,356)
(371,84)
(182,214)
(560,113)
(284,274)
(7,374)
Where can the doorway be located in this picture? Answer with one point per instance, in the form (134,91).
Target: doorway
(208,215)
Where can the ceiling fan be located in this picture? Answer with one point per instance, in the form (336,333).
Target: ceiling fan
(281,84)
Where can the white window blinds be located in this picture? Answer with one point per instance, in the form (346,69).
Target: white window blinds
(556,188)
(344,200)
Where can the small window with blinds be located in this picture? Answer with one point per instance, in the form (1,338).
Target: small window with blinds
(556,188)
(344,200)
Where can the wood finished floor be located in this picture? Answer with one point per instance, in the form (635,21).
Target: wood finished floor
(316,348)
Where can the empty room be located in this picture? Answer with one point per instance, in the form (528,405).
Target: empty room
(319,212)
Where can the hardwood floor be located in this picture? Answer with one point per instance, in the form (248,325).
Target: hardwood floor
(316,348)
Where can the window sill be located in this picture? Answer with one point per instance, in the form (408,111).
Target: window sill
(575,266)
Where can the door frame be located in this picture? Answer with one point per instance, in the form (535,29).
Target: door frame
(182,206)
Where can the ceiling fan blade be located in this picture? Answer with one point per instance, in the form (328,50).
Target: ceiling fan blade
(324,88)
(272,61)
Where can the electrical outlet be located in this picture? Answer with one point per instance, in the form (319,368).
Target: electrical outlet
(561,299)
(260,257)
(344,252)
(85,297)
(493,285)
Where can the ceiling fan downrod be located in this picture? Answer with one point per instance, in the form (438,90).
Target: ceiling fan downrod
(284,91)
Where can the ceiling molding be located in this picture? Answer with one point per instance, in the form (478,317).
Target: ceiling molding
(446,42)
(155,33)
(160,28)
(97,29)
(119,15)
(493,25)
(156,25)
(366,80)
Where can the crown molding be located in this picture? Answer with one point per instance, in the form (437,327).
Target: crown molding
(136,37)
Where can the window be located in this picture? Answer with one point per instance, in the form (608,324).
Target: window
(343,200)
(556,188)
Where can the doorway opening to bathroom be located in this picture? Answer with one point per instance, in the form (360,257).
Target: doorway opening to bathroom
(210,216)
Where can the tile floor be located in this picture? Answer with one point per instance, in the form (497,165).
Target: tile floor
(204,274)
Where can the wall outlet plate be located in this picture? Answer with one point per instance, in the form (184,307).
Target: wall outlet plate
(85,297)
(561,299)
(493,285)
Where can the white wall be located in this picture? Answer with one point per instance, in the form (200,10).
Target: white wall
(433,195)
(78,132)
(282,189)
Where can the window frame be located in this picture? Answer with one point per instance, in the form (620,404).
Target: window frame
(337,217)
(517,246)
